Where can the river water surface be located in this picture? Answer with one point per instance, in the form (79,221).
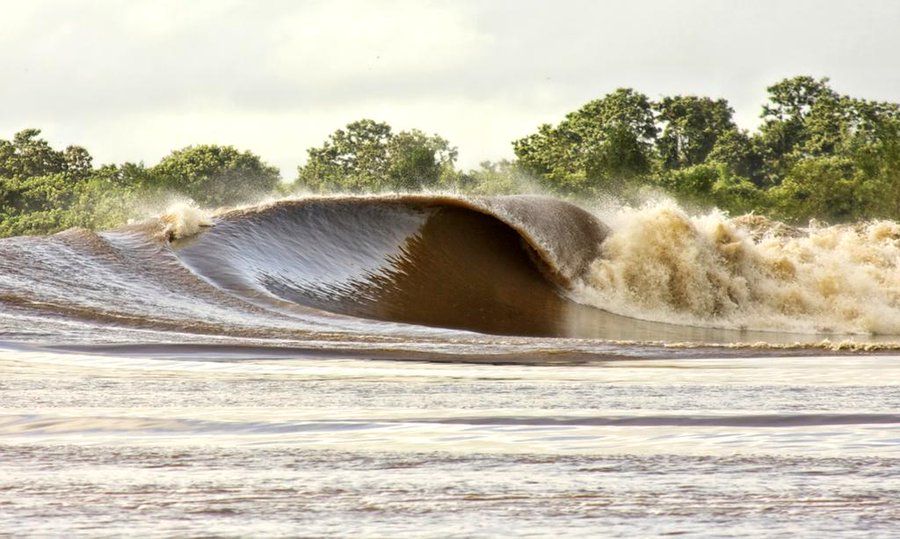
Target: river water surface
(440,367)
(161,446)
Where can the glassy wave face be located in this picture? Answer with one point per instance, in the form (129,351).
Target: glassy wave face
(430,274)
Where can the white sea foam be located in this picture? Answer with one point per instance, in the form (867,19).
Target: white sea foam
(661,263)
(184,219)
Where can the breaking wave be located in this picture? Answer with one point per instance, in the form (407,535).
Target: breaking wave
(398,268)
(748,272)
(495,265)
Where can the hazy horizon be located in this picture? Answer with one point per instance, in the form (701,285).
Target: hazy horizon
(135,80)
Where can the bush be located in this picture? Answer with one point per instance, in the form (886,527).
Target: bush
(713,184)
(368,157)
(214,175)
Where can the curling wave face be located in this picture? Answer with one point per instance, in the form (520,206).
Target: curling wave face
(490,265)
(411,271)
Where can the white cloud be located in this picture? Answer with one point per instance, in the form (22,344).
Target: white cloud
(342,42)
(282,137)
(160,19)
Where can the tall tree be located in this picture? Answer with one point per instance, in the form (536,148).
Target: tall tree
(28,156)
(605,142)
(791,101)
(735,149)
(691,127)
(214,175)
(368,156)
(78,162)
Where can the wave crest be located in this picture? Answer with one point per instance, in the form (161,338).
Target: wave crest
(495,265)
(182,220)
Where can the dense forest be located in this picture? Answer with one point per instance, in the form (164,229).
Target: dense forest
(817,154)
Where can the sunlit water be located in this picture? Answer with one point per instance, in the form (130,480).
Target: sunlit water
(227,444)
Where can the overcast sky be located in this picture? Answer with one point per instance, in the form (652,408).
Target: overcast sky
(134,80)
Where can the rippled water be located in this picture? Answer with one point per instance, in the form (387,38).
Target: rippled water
(209,443)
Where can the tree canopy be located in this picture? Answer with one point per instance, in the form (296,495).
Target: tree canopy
(817,154)
(215,175)
(606,141)
(368,156)
(691,127)
(45,190)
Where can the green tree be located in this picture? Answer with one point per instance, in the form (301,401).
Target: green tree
(714,184)
(606,142)
(134,176)
(28,156)
(735,149)
(495,178)
(46,204)
(784,128)
(78,162)
(825,188)
(367,156)
(212,175)
(417,160)
(877,159)
(35,178)
(830,156)
(691,128)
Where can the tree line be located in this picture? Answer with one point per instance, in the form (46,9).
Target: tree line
(45,190)
(817,154)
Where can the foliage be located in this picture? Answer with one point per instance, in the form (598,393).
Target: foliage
(500,178)
(817,154)
(735,149)
(691,128)
(606,142)
(43,190)
(51,203)
(716,184)
(367,156)
(821,187)
(214,175)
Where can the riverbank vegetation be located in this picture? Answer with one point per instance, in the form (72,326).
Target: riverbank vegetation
(817,154)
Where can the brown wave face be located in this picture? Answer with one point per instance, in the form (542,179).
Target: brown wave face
(493,265)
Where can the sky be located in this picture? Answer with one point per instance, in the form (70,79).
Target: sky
(133,80)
